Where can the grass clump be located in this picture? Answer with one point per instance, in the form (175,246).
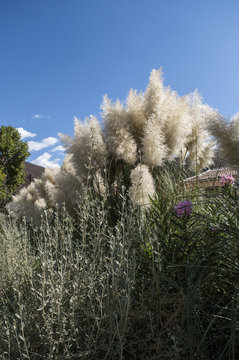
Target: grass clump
(123,282)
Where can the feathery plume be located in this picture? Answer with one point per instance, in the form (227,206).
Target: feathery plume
(200,150)
(87,147)
(227,137)
(142,185)
(170,113)
(154,149)
(177,125)
(135,105)
(119,139)
(28,203)
(206,156)
(154,93)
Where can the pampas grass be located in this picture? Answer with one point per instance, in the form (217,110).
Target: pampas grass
(150,129)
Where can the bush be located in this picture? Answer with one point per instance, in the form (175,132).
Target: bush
(123,282)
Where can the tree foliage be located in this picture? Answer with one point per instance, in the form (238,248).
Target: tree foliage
(13,153)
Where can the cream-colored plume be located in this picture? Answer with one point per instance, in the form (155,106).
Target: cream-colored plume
(155,94)
(199,148)
(155,150)
(30,202)
(87,147)
(135,107)
(119,139)
(142,186)
(226,133)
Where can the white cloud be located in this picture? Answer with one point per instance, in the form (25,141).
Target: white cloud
(40,116)
(24,133)
(58,148)
(35,145)
(44,160)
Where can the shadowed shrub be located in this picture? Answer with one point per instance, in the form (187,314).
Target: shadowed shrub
(123,282)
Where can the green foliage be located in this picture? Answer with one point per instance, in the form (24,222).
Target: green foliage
(2,187)
(121,282)
(197,258)
(13,153)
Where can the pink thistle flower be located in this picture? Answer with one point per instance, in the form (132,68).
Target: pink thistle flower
(227,180)
(183,208)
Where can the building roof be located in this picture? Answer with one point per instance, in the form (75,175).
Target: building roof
(34,170)
(211,174)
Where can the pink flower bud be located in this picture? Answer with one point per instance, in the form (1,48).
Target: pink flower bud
(227,180)
(183,208)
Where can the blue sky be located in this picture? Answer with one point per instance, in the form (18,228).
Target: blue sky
(59,57)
